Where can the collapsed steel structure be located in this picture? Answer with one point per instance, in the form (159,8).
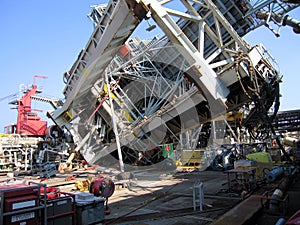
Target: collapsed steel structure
(130,97)
(201,84)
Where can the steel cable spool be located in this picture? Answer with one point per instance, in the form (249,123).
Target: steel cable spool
(102,187)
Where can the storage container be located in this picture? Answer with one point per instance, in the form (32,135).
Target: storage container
(89,211)
(60,211)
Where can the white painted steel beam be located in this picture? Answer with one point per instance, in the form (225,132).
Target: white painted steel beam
(111,32)
(200,71)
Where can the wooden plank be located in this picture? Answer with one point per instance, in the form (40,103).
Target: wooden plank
(241,213)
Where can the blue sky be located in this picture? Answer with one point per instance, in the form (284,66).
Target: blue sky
(44,38)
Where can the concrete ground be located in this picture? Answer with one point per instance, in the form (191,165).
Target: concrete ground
(168,199)
(154,198)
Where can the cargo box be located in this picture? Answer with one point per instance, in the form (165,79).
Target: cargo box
(89,211)
(60,211)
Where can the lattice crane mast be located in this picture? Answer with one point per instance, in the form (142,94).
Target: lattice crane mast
(164,90)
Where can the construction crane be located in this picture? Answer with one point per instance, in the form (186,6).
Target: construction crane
(30,143)
(129,98)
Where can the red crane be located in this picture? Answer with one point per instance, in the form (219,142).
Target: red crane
(28,122)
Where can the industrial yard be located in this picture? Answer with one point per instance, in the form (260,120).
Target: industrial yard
(169,198)
(184,127)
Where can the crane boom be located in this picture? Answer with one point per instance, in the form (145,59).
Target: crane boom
(117,23)
(198,71)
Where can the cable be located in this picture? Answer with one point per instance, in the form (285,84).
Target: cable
(9,96)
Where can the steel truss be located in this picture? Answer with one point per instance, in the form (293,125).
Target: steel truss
(165,90)
(273,14)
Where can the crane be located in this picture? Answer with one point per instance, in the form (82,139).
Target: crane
(168,89)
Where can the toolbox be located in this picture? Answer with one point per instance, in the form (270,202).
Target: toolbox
(89,211)
(28,218)
(61,210)
(20,202)
(14,190)
(59,206)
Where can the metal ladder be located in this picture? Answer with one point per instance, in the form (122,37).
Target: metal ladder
(198,195)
